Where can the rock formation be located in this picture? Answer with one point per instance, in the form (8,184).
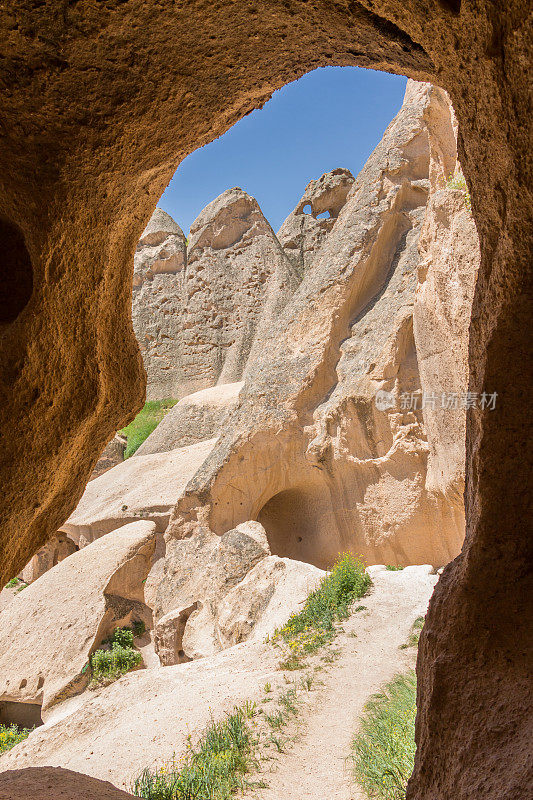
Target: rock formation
(302,233)
(307,451)
(158,296)
(55,783)
(198,308)
(78,188)
(49,630)
(196,417)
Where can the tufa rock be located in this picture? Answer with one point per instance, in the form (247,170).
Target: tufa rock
(197,417)
(48,631)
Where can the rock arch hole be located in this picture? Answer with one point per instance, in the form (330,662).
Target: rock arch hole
(307,209)
(16,272)
(23,715)
(299,524)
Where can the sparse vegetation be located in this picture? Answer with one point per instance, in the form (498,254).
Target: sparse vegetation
(144,423)
(213,769)
(384,749)
(414,635)
(12,583)
(117,657)
(138,628)
(10,735)
(458,181)
(393,568)
(314,626)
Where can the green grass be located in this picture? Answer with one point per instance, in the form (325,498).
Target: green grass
(314,626)
(144,423)
(214,769)
(119,657)
(414,634)
(12,583)
(383,751)
(393,568)
(10,735)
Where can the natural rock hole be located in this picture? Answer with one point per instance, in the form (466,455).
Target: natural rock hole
(24,715)
(16,272)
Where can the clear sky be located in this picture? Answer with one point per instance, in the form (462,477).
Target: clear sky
(332,117)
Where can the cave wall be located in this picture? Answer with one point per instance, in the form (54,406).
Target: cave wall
(100,103)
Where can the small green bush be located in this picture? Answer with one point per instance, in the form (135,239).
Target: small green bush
(144,423)
(12,583)
(383,751)
(312,627)
(392,568)
(139,628)
(10,735)
(116,659)
(214,769)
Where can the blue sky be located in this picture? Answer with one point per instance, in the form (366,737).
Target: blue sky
(332,117)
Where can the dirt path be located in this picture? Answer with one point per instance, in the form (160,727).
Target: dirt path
(316,768)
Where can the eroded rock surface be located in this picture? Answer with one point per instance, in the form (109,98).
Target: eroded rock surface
(198,572)
(158,298)
(265,599)
(302,233)
(55,783)
(139,488)
(49,630)
(196,417)
(307,451)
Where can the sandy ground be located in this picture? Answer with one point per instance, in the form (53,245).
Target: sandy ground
(318,766)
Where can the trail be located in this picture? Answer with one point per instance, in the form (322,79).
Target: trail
(317,767)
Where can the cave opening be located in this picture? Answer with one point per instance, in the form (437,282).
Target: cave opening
(23,715)
(16,272)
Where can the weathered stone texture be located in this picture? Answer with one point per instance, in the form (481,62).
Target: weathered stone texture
(98,107)
(49,630)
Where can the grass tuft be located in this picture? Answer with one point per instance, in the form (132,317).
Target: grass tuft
(414,634)
(214,769)
(10,735)
(144,423)
(314,626)
(393,568)
(383,751)
(115,659)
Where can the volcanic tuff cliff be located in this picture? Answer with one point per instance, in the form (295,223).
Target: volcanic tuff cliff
(285,342)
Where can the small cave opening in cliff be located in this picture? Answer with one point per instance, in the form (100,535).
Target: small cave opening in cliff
(23,715)
(16,272)
(295,520)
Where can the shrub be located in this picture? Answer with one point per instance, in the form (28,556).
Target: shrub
(10,735)
(312,627)
(139,628)
(144,423)
(212,770)
(384,749)
(12,583)
(392,568)
(116,659)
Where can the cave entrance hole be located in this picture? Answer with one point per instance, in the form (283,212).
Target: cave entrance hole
(23,715)
(16,272)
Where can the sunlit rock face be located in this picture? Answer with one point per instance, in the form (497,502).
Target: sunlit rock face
(90,141)
(308,451)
